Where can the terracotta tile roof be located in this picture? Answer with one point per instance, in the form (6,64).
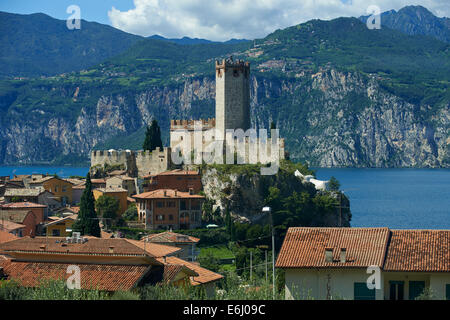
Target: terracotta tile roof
(167,237)
(93,276)
(9,226)
(6,236)
(419,250)
(155,250)
(23,205)
(17,216)
(111,190)
(106,235)
(177,172)
(131,200)
(24,192)
(167,193)
(58,219)
(204,275)
(94,246)
(98,180)
(305,247)
(75,182)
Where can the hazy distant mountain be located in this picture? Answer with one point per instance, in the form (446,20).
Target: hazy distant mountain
(189,41)
(416,20)
(37,44)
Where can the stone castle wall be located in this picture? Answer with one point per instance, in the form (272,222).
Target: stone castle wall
(137,163)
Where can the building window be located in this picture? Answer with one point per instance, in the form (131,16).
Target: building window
(183,205)
(64,189)
(56,188)
(160,204)
(361,292)
(160,217)
(170,217)
(396,290)
(416,289)
(171,204)
(55,233)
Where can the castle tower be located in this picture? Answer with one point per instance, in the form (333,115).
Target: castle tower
(232,95)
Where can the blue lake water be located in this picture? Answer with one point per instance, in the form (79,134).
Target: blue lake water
(394,198)
(63,172)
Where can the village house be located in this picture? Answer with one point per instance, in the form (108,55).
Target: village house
(184,242)
(60,227)
(117,193)
(178,179)
(61,189)
(77,189)
(332,263)
(105,264)
(33,195)
(39,210)
(23,217)
(169,209)
(98,183)
(13,228)
(123,182)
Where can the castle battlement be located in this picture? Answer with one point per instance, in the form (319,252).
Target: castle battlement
(230,63)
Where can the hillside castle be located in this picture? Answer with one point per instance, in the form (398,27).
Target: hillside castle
(227,134)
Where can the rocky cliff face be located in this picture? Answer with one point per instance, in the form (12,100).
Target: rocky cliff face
(243,193)
(330,118)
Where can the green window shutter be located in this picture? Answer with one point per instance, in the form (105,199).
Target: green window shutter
(447,291)
(361,292)
(415,289)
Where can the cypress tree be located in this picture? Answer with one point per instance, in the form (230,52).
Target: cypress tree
(152,137)
(87,222)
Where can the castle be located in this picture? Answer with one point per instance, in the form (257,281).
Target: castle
(194,140)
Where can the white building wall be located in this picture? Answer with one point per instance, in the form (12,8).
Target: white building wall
(312,283)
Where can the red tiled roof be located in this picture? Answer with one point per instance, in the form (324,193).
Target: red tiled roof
(166,193)
(419,250)
(23,205)
(94,246)
(9,226)
(305,247)
(93,276)
(176,172)
(6,236)
(204,275)
(155,250)
(167,236)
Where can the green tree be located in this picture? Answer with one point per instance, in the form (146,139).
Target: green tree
(152,137)
(131,214)
(333,184)
(87,222)
(107,208)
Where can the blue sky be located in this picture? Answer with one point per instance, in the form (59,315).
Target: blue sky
(91,10)
(212,19)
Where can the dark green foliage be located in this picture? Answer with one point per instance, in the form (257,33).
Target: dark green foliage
(152,137)
(36,44)
(209,262)
(334,184)
(131,214)
(107,208)
(87,222)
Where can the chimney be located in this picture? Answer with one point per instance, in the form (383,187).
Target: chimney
(343,255)
(111,249)
(165,193)
(191,191)
(164,259)
(42,247)
(328,254)
(176,193)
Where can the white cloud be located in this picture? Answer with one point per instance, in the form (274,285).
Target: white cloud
(226,19)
